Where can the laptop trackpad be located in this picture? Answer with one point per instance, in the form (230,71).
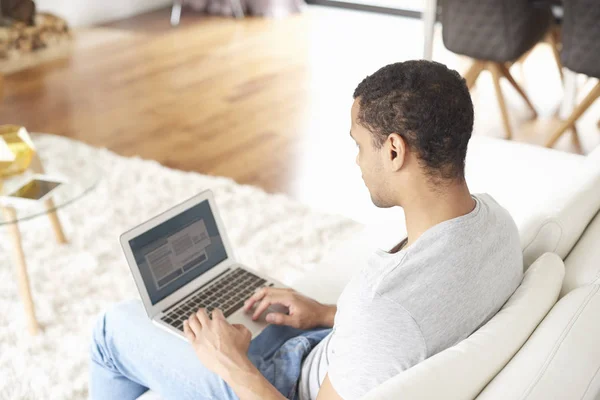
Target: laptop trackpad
(241,317)
(275,308)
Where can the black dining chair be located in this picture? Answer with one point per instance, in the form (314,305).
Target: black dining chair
(580,53)
(495,33)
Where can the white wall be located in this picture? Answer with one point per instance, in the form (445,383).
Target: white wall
(91,12)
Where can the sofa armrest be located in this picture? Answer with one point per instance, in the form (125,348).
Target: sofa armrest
(559,223)
(561,359)
(582,265)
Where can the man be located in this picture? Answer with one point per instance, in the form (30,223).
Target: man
(460,262)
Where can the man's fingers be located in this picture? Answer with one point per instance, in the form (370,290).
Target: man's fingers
(203,317)
(187,331)
(217,314)
(282,297)
(262,293)
(254,298)
(264,304)
(280,319)
(195,324)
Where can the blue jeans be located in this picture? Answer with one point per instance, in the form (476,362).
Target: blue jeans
(129,355)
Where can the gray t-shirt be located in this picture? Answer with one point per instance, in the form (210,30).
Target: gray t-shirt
(404,307)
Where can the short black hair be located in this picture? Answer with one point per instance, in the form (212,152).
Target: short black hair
(428,105)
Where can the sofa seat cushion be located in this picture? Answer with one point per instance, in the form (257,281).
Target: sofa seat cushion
(561,360)
(582,265)
(462,371)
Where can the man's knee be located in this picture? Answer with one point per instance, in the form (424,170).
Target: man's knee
(117,315)
(113,320)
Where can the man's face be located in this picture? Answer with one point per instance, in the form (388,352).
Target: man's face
(370,160)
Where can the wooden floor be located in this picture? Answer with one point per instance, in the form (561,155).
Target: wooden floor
(265,102)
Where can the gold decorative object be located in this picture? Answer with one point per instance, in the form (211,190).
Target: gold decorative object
(16,150)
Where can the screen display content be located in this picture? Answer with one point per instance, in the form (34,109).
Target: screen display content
(179,250)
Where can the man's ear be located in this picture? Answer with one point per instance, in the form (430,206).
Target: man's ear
(396,151)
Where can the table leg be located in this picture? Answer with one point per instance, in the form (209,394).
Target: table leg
(10,214)
(429,17)
(56,226)
(36,165)
(570,93)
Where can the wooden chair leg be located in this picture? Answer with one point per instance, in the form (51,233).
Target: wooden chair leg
(506,73)
(579,110)
(496,74)
(575,133)
(473,73)
(575,140)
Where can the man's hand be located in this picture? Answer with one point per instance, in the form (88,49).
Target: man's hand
(304,313)
(222,347)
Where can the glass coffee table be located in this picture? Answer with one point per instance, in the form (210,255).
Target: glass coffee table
(74,188)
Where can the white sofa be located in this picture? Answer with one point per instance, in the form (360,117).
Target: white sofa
(535,347)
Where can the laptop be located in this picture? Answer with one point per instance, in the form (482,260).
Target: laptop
(181,260)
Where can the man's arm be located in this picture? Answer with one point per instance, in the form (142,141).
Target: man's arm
(329,315)
(327,392)
(223,349)
(254,386)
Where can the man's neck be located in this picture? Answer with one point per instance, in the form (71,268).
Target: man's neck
(427,208)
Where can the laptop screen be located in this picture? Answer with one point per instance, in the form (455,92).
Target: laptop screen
(177,251)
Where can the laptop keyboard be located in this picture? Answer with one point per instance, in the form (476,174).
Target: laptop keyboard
(227,294)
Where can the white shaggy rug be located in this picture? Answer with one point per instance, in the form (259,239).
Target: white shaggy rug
(73,283)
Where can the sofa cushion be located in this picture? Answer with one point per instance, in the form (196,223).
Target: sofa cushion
(521,177)
(462,371)
(557,225)
(582,265)
(561,360)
